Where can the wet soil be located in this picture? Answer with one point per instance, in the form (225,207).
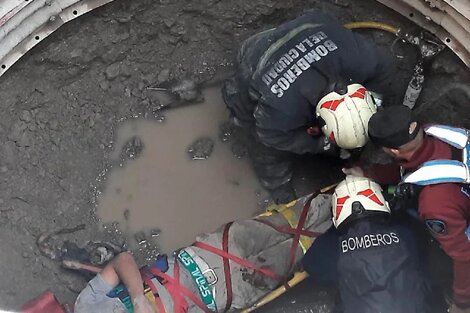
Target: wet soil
(63,100)
(178,187)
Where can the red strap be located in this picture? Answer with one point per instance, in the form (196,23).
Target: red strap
(228,275)
(288,230)
(300,226)
(148,281)
(177,299)
(176,287)
(242,262)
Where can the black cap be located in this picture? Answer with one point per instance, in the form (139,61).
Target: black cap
(390,127)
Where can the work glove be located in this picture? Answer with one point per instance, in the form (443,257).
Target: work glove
(283,194)
(327,147)
(404,197)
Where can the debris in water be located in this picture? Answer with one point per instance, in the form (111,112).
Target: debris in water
(126,214)
(141,238)
(239,150)
(155,233)
(187,90)
(201,149)
(133,148)
(160,118)
(226,131)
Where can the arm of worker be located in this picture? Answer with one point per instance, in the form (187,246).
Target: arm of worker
(443,208)
(287,131)
(384,174)
(124,269)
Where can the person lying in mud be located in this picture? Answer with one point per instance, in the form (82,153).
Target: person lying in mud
(300,79)
(371,259)
(223,271)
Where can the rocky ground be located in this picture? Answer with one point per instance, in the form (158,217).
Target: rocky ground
(61,102)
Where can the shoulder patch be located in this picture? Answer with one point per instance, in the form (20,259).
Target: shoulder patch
(436,227)
(465,190)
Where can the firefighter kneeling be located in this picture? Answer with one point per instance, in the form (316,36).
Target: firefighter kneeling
(367,255)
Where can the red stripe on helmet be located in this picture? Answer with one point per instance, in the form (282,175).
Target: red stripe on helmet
(371,195)
(332,104)
(339,205)
(332,138)
(360,93)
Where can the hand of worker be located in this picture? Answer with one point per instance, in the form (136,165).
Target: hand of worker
(142,305)
(354,171)
(456,309)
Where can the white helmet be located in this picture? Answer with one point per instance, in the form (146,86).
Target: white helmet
(346,116)
(357,189)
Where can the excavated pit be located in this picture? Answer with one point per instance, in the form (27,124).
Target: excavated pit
(63,104)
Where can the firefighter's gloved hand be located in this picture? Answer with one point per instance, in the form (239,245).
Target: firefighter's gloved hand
(283,194)
(402,197)
(327,147)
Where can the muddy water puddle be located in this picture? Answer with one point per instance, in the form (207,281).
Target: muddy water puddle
(163,192)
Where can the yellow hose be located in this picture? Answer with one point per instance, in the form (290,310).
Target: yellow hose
(375,25)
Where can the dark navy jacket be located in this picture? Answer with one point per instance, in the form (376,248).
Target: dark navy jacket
(378,268)
(289,68)
(283,73)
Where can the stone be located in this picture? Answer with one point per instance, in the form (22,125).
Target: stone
(117,69)
(25,116)
(10,153)
(201,149)
(163,76)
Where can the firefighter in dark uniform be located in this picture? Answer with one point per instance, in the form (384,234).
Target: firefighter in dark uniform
(432,165)
(282,75)
(371,259)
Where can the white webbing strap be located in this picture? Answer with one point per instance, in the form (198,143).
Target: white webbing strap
(454,136)
(438,172)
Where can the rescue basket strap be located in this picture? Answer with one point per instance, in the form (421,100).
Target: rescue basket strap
(227,274)
(177,288)
(148,281)
(242,262)
(300,226)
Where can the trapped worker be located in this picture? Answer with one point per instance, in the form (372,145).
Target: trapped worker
(305,75)
(226,270)
(96,295)
(432,165)
(370,258)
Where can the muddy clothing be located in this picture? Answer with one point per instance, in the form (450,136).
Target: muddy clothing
(271,251)
(94,299)
(377,268)
(284,72)
(445,209)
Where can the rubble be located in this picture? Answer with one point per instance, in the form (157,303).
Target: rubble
(201,149)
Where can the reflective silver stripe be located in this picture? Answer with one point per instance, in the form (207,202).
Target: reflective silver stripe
(206,270)
(279,43)
(438,172)
(456,137)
